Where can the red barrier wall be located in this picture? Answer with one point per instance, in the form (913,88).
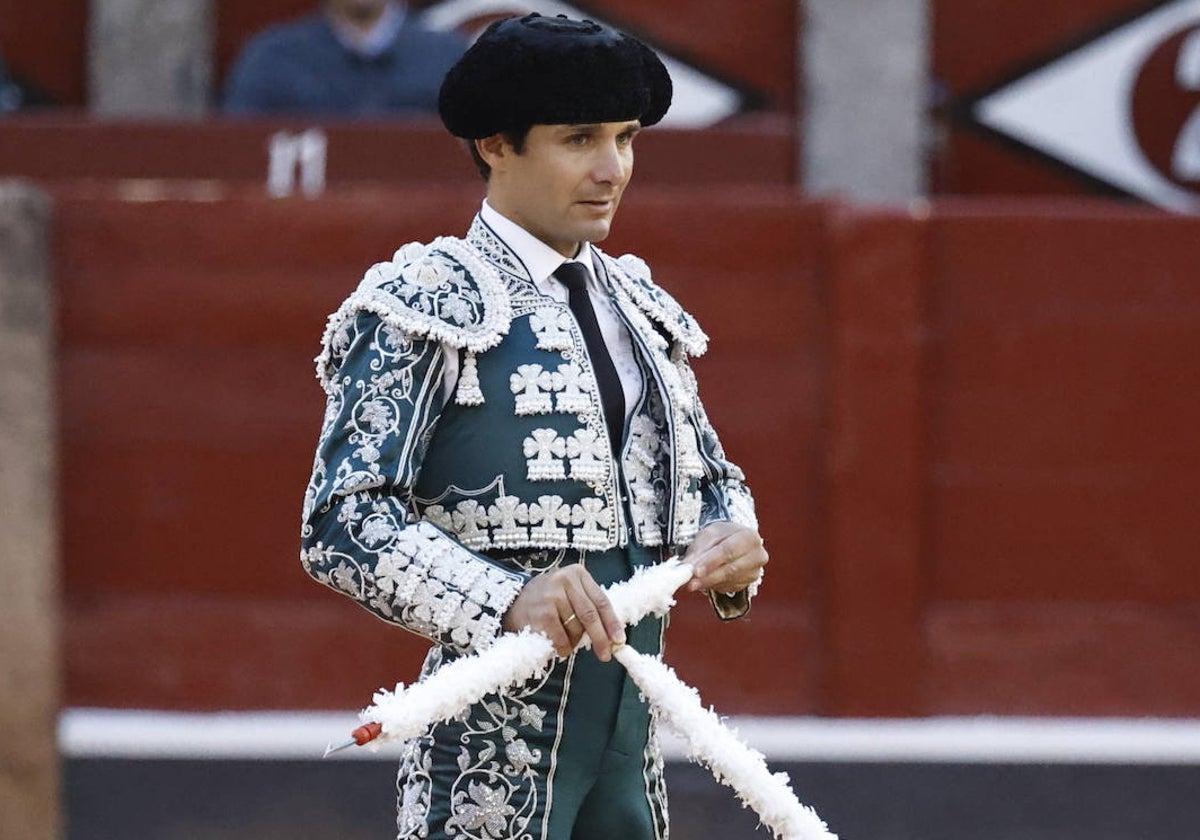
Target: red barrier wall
(63,150)
(971,430)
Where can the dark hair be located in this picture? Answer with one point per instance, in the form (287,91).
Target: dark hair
(515,138)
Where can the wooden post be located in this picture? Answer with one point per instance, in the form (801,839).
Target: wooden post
(864,87)
(150,57)
(29,674)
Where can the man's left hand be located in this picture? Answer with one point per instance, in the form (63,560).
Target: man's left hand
(725,557)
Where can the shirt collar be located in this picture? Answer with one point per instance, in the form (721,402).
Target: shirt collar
(539,258)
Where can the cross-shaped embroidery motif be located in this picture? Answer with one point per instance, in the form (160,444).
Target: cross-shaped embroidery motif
(591,520)
(573,388)
(545,449)
(546,514)
(531,384)
(552,327)
(505,517)
(588,453)
(470,521)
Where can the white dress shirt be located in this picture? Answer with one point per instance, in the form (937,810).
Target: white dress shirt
(541,261)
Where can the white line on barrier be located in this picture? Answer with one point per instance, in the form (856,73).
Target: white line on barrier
(119,733)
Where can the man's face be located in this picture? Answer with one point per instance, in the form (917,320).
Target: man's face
(565,185)
(357,10)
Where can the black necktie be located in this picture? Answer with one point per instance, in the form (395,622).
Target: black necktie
(574,276)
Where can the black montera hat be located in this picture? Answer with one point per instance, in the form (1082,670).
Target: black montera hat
(539,70)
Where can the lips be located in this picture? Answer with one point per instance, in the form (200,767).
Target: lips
(599,203)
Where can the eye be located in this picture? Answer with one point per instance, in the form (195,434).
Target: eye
(578,139)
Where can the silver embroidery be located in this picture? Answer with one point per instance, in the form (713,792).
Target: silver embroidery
(574,389)
(546,515)
(414,792)
(496,794)
(468,391)
(591,521)
(588,455)
(633,275)
(532,384)
(544,449)
(444,291)
(508,518)
(470,524)
(552,326)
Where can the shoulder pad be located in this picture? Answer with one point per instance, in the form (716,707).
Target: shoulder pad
(633,276)
(443,291)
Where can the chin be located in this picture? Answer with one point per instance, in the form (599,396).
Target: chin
(597,232)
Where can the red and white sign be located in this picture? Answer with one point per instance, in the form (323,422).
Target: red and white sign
(1123,108)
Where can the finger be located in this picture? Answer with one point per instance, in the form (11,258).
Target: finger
(704,541)
(571,624)
(599,619)
(551,624)
(709,563)
(613,625)
(738,562)
(589,615)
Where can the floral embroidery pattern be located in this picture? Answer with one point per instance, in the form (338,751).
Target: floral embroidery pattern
(591,520)
(442,291)
(643,473)
(633,276)
(496,794)
(545,516)
(420,579)
(357,537)
(534,386)
(588,455)
(414,792)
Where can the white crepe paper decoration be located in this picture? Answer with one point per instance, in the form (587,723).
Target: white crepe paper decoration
(514,658)
(712,744)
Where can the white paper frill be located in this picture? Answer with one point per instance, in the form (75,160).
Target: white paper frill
(408,711)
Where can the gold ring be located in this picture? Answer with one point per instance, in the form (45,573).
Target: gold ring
(569,619)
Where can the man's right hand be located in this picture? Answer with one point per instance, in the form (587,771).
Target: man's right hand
(565,604)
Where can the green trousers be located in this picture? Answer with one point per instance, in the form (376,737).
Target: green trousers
(571,756)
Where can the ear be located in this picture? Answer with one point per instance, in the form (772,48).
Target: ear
(493,150)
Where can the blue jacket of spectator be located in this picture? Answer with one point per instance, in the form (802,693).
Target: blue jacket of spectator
(301,67)
(10,94)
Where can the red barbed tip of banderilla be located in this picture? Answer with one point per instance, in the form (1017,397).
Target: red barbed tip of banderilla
(365,734)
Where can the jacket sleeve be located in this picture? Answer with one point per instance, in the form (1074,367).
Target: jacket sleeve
(724,496)
(359,535)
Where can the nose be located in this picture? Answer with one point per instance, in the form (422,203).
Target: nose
(611,165)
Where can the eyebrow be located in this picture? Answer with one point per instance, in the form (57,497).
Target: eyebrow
(632,125)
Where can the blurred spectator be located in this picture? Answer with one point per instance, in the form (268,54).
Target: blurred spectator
(11,96)
(350,58)
(17,94)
